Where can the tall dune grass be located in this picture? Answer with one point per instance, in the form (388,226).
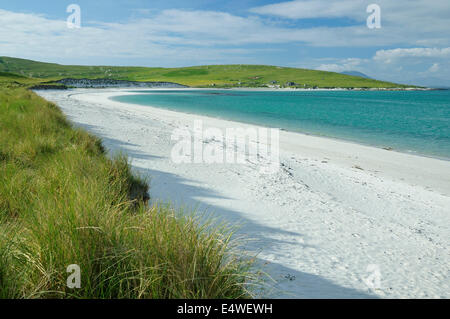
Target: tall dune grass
(63,201)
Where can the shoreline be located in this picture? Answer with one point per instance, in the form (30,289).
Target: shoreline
(49,86)
(414,153)
(334,208)
(328,144)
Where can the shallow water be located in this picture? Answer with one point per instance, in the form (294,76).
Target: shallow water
(408,121)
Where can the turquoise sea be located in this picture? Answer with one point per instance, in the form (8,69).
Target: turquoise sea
(407,121)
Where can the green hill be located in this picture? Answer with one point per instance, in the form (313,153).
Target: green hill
(198,76)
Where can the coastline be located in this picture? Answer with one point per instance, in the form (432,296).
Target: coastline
(324,147)
(303,133)
(67,84)
(335,207)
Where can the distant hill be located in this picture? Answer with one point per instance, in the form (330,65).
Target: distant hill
(356,73)
(196,76)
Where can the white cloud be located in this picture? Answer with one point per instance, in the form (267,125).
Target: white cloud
(407,22)
(171,36)
(399,10)
(303,9)
(389,55)
(434,67)
(181,37)
(349,64)
(422,66)
(202,34)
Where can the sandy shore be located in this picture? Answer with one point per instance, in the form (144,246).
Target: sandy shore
(334,214)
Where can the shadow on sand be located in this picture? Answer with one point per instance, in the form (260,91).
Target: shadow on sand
(285,282)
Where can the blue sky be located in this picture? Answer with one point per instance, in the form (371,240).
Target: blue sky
(412,44)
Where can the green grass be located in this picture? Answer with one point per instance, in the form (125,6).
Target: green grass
(198,76)
(63,201)
(11,80)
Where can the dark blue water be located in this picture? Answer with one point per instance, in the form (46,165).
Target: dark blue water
(408,121)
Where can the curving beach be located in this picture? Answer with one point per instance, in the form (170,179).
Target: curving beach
(332,212)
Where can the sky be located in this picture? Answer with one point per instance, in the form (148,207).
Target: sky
(412,44)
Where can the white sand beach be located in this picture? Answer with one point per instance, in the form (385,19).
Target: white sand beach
(329,218)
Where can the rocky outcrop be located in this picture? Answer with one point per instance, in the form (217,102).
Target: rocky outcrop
(48,87)
(109,83)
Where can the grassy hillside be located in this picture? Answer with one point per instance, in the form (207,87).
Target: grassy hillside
(11,80)
(63,202)
(198,76)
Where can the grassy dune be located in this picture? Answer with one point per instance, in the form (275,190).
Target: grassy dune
(198,76)
(63,201)
(11,80)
